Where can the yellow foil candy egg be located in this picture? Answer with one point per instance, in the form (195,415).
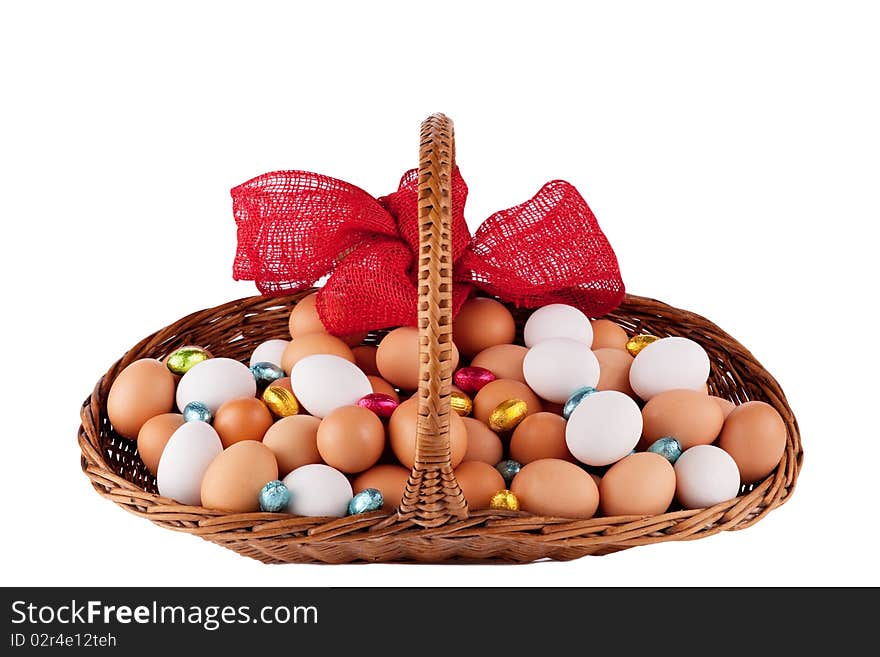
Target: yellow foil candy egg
(638,342)
(280,401)
(461,403)
(508,414)
(504,500)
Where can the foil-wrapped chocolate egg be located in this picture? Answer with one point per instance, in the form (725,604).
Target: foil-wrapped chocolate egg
(266,373)
(280,400)
(182,360)
(461,403)
(504,500)
(471,379)
(508,414)
(380,403)
(638,342)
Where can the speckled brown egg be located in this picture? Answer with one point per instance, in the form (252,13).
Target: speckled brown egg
(402,434)
(479,481)
(240,419)
(614,367)
(689,416)
(381,385)
(311,344)
(540,436)
(153,436)
(144,389)
(294,441)
(754,434)
(388,479)
(482,323)
(398,358)
(505,361)
(641,484)
(351,439)
(492,394)
(553,487)
(483,443)
(365,358)
(726,405)
(608,335)
(235,477)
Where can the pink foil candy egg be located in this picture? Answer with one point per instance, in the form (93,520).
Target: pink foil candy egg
(471,379)
(381,404)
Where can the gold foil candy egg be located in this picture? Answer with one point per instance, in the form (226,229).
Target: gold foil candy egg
(182,360)
(504,500)
(638,342)
(508,414)
(460,403)
(280,401)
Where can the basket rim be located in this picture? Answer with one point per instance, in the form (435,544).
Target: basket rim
(243,531)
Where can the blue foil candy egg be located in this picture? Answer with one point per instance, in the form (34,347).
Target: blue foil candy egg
(509,469)
(576,398)
(369,499)
(196,411)
(667,447)
(274,497)
(266,373)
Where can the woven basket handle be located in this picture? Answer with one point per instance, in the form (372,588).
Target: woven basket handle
(433,496)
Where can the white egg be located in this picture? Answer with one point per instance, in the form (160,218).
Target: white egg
(323,382)
(704,476)
(555,368)
(603,428)
(669,364)
(558,320)
(318,490)
(214,382)
(184,461)
(269,352)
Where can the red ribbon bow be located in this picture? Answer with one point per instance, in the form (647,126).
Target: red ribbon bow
(295,227)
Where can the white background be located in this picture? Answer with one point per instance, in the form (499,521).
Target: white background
(730,152)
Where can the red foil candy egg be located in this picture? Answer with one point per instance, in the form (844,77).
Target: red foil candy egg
(381,404)
(471,379)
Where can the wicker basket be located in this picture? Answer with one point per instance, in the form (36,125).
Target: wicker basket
(433,523)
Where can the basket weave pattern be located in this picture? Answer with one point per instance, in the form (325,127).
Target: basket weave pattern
(433,523)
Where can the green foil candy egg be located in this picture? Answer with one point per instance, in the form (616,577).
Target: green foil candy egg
(667,447)
(181,361)
(576,398)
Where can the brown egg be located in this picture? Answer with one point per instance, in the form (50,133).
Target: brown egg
(754,434)
(304,317)
(614,367)
(365,358)
(398,358)
(311,344)
(540,436)
(144,389)
(402,434)
(608,335)
(479,482)
(284,382)
(483,443)
(246,418)
(351,439)
(390,480)
(482,323)
(689,416)
(381,385)
(553,487)
(153,435)
(235,477)
(641,484)
(294,441)
(503,360)
(492,394)
(726,405)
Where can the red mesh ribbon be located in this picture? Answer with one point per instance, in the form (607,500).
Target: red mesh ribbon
(296,227)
